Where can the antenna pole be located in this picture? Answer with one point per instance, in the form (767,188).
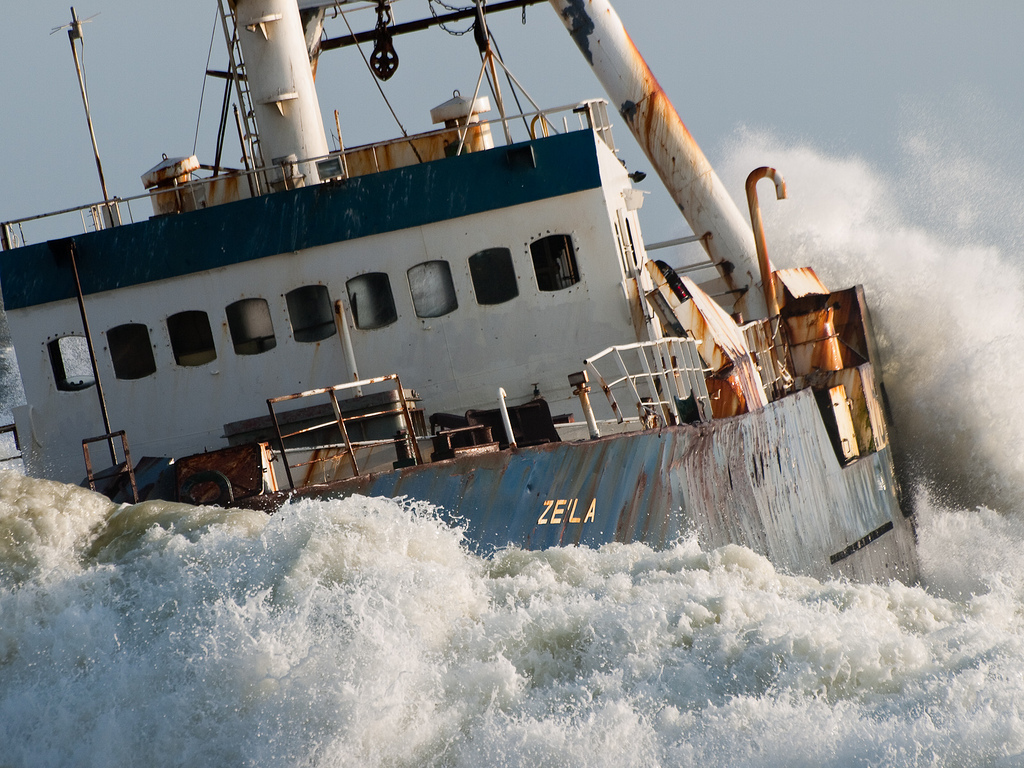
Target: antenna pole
(75,33)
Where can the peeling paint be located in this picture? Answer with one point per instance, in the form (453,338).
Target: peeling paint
(580,25)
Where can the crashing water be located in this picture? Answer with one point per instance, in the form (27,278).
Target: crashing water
(946,292)
(364,633)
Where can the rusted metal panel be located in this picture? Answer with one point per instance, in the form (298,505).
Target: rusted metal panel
(768,480)
(797,283)
(723,346)
(827,331)
(848,323)
(227,188)
(814,343)
(170,172)
(220,477)
(423,148)
(852,382)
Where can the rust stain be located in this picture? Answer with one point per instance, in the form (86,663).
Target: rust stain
(798,283)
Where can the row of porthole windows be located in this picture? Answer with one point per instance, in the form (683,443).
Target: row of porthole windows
(191,336)
(492,272)
(311,312)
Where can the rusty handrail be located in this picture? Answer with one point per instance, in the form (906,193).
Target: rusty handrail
(8,236)
(124,468)
(341,420)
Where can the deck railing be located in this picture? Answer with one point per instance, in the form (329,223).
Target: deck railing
(587,115)
(663,379)
(400,407)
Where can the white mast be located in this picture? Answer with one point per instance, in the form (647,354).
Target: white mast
(682,166)
(280,82)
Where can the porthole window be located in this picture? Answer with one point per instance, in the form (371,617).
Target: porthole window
(433,292)
(252,330)
(130,351)
(494,276)
(310,311)
(371,300)
(69,358)
(554,262)
(191,338)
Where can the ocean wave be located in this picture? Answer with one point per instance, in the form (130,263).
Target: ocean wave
(363,632)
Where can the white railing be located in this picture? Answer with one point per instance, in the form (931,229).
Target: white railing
(663,379)
(586,115)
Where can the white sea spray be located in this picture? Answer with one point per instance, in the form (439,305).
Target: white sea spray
(945,289)
(362,632)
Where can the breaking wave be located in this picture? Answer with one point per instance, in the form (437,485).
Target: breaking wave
(937,243)
(362,632)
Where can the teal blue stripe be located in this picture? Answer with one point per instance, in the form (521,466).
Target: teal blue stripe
(172,246)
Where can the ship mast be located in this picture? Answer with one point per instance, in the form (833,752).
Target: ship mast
(280,81)
(75,33)
(657,127)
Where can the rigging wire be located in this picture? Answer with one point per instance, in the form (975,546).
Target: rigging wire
(376,82)
(202,95)
(508,77)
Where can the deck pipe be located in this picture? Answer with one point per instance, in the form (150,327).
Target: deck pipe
(757,224)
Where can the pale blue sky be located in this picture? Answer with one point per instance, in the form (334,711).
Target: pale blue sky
(845,78)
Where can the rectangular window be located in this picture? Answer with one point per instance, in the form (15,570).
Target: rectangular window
(494,276)
(371,300)
(69,359)
(554,262)
(433,292)
(191,338)
(311,313)
(131,351)
(252,330)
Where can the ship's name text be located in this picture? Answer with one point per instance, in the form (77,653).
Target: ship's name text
(557,511)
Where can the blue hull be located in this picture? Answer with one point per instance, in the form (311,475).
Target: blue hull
(767,480)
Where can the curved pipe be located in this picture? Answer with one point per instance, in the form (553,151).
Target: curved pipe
(771,300)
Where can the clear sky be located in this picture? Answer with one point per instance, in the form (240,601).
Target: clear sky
(852,78)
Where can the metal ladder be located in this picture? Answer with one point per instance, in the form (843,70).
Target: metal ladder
(236,67)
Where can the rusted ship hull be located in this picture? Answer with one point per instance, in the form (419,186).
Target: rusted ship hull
(767,480)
